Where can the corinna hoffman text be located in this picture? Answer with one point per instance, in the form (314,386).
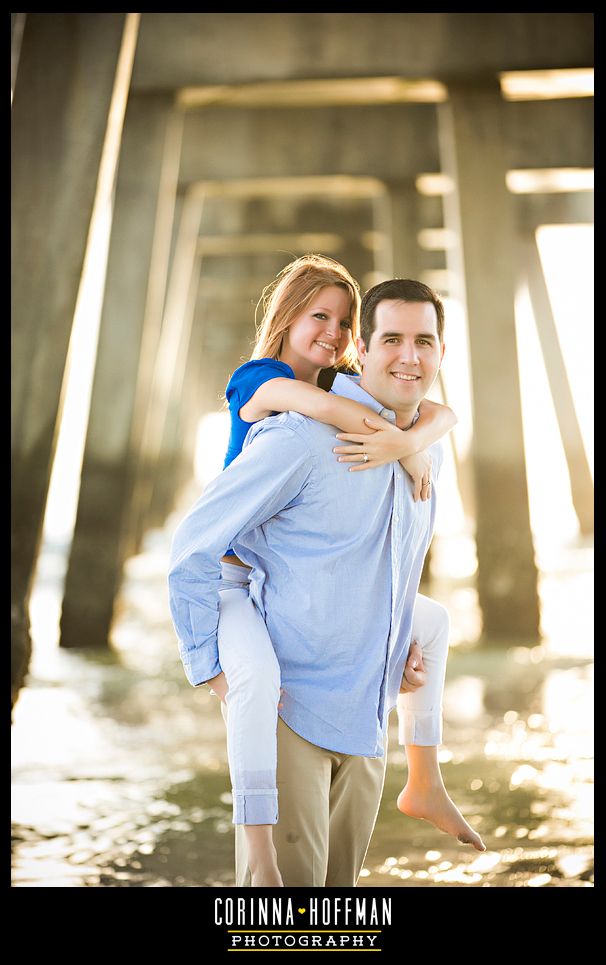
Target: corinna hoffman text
(303,913)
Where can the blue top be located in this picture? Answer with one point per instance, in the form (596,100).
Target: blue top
(336,562)
(240,389)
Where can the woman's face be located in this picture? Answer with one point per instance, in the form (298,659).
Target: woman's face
(321,334)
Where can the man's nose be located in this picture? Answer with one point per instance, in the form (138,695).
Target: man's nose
(408,353)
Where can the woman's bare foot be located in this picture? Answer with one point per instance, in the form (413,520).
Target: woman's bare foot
(264,872)
(434,805)
(262,857)
(266,875)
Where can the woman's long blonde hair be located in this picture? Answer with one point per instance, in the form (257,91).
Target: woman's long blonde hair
(291,292)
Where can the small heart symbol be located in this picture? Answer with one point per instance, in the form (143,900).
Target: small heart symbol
(301,910)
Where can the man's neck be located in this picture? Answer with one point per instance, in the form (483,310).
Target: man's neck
(404,417)
(406,420)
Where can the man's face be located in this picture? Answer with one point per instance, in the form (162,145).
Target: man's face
(404,355)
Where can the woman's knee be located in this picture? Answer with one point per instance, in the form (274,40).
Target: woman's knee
(260,678)
(246,652)
(432,620)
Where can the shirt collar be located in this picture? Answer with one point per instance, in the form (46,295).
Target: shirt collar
(349,386)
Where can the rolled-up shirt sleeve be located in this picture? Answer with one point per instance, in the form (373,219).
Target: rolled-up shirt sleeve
(270,472)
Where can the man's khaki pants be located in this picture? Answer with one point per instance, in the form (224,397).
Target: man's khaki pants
(328,804)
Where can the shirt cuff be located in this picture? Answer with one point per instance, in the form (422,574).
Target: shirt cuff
(201,665)
(255,807)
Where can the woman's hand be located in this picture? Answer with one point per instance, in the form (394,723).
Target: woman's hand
(418,467)
(385,444)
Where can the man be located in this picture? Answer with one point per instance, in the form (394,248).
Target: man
(337,558)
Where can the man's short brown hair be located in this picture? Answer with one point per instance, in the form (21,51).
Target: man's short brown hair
(402,290)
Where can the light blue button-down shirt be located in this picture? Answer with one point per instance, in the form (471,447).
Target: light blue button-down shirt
(336,562)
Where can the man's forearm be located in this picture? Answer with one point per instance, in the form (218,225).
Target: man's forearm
(256,486)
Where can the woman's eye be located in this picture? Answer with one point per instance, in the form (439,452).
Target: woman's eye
(345,324)
(321,316)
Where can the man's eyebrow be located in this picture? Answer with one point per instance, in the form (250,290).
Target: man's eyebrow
(399,335)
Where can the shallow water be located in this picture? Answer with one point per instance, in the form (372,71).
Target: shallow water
(120,774)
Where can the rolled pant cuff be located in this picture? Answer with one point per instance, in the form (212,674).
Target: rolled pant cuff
(255,807)
(424,730)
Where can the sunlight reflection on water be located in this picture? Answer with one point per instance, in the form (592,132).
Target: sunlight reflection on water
(120,773)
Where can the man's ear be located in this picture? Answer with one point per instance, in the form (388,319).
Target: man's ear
(442,353)
(361,347)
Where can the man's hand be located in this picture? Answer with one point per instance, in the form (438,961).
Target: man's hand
(218,684)
(415,675)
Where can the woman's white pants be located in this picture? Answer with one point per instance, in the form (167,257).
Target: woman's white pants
(250,665)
